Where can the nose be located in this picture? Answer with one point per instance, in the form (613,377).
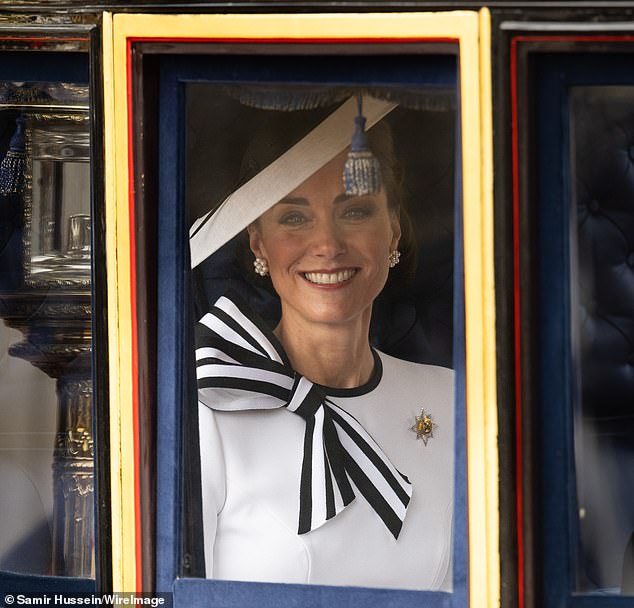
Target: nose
(327,240)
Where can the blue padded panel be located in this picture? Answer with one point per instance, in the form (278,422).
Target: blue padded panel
(604,202)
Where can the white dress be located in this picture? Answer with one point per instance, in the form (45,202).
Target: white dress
(250,471)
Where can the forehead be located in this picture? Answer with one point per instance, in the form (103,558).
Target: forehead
(328,178)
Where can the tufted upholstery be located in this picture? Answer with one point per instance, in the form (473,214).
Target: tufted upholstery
(602,154)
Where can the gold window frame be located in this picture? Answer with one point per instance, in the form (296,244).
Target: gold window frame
(471,30)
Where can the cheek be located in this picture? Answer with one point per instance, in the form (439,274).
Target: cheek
(381,241)
(262,239)
(281,250)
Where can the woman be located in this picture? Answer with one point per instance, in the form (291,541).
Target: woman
(322,460)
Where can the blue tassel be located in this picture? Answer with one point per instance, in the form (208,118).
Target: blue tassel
(362,171)
(13,165)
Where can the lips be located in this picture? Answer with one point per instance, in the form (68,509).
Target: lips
(330,278)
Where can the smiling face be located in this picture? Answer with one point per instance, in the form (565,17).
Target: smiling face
(327,252)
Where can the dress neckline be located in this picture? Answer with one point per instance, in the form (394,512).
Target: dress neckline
(363,389)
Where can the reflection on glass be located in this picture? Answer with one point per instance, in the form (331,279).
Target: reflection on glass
(49,95)
(325,238)
(57,194)
(27,441)
(46,443)
(602,237)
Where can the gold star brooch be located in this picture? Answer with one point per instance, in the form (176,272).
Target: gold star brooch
(424,426)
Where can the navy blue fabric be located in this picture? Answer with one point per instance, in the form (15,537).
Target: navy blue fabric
(461,510)
(554,323)
(230,594)
(173,333)
(32,554)
(555,75)
(430,70)
(171,340)
(14,583)
(599,601)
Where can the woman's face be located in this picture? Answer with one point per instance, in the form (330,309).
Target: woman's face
(327,252)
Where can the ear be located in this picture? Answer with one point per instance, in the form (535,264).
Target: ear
(255,241)
(395,223)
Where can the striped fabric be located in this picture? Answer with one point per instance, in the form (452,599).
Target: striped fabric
(238,358)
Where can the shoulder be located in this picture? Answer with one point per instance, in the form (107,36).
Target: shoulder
(415,374)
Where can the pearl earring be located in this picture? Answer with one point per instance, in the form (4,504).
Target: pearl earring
(394,257)
(261,266)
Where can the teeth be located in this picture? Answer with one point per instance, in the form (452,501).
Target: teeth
(329,278)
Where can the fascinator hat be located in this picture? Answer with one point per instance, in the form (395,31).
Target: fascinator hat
(342,128)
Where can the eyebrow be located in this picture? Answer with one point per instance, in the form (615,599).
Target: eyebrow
(299,200)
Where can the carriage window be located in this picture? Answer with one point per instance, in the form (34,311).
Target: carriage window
(322,246)
(46,409)
(307,258)
(577,277)
(602,258)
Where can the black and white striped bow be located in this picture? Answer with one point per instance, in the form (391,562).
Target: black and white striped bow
(237,358)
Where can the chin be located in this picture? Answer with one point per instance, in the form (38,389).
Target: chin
(332,314)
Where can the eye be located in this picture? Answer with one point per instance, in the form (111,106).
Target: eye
(358,212)
(292,218)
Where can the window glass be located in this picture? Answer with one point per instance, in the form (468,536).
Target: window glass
(324,257)
(602,237)
(46,436)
